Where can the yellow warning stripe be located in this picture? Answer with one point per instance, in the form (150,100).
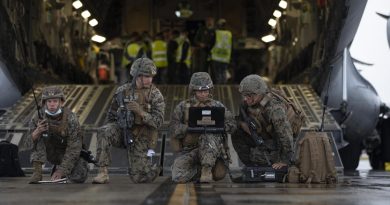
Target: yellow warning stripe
(183,194)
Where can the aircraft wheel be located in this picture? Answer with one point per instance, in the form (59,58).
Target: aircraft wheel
(350,155)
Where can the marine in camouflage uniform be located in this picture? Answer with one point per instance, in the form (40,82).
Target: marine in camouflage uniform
(269,114)
(148,106)
(201,156)
(57,139)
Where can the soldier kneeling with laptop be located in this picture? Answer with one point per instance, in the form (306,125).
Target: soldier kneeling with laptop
(197,131)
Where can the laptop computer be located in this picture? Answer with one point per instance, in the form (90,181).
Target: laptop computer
(206,120)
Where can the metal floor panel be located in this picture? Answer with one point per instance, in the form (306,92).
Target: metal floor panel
(91,102)
(368,188)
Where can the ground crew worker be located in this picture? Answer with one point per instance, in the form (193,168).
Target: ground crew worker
(159,56)
(201,156)
(133,50)
(57,139)
(221,53)
(171,56)
(269,114)
(183,57)
(204,40)
(147,105)
(147,43)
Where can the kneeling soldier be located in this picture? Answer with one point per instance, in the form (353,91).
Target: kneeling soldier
(57,139)
(273,144)
(202,156)
(135,114)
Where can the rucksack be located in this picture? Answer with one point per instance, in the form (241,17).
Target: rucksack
(9,160)
(294,115)
(313,160)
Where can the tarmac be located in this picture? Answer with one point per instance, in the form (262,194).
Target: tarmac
(364,188)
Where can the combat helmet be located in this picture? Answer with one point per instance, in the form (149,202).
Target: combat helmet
(143,66)
(253,84)
(200,81)
(52,92)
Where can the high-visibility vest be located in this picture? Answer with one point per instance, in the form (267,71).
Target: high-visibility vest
(159,53)
(130,53)
(181,41)
(222,49)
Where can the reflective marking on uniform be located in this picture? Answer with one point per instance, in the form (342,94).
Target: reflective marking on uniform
(183,194)
(16,138)
(93,148)
(220,59)
(159,52)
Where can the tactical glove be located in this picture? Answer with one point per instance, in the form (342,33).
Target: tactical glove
(135,107)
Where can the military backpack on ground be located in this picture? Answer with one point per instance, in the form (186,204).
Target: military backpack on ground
(9,160)
(313,160)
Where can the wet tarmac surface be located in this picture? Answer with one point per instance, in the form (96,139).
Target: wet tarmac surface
(365,188)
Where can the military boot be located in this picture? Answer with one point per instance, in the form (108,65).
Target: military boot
(102,177)
(37,174)
(206,175)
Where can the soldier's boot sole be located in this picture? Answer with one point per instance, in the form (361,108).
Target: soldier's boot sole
(206,176)
(35,178)
(102,177)
(100,181)
(37,174)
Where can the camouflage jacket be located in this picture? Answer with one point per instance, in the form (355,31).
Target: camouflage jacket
(178,124)
(274,126)
(154,115)
(64,141)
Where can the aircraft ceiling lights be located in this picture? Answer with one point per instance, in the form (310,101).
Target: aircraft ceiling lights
(93,22)
(273,21)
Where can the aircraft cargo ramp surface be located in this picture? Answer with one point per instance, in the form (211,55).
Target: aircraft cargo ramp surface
(366,189)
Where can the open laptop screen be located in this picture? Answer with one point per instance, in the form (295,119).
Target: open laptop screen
(206,119)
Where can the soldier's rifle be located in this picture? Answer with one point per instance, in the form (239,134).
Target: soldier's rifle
(125,120)
(126,116)
(40,117)
(251,125)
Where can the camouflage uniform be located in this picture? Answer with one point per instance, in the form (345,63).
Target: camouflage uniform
(64,142)
(197,150)
(144,130)
(272,125)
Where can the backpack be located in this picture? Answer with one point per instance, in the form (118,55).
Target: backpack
(294,115)
(9,160)
(313,159)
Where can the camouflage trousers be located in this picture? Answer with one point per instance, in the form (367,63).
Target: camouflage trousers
(79,173)
(187,167)
(252,155)
(141,169)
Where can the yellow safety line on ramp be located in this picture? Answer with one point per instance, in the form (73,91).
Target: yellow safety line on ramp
(183,194)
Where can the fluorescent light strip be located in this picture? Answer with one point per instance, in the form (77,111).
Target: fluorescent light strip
(99,39)
(85,14)
(77,4)
(283,4)
(93,22)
